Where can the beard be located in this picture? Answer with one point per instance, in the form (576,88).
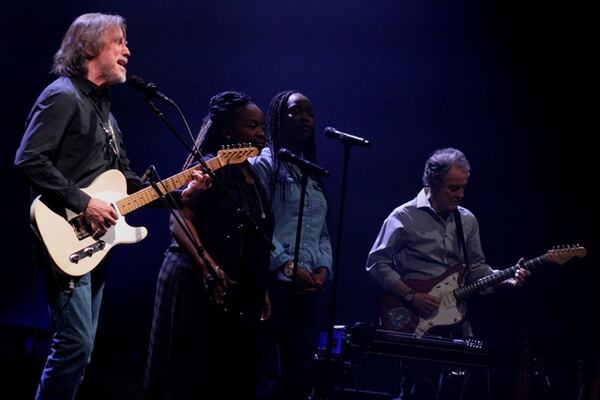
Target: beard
(114,74)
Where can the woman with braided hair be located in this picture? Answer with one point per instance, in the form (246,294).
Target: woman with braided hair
(204,329)
(296,291)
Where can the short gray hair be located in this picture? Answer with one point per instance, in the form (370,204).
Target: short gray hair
(440,162)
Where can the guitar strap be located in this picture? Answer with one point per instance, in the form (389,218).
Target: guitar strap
(111,137)
(461,235)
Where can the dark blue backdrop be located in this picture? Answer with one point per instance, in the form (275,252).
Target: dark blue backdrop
(502,81)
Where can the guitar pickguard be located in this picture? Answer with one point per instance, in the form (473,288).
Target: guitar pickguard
(448,313)
(399,316)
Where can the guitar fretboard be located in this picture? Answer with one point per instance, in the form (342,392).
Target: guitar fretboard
(149,194)
(491,280)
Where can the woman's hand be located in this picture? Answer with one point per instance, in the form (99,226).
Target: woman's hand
(266,309)
(217,286)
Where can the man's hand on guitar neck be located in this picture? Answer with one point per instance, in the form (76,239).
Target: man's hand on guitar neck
(100,215)
(521,275)
(201,181)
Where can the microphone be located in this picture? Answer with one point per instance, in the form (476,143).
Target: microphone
(305,165)
(333,133)
(150,90)
(148,174)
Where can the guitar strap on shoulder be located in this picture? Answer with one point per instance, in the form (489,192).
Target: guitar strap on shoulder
(460,234)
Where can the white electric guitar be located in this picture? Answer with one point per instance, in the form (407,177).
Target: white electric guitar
(68,235)
(449,287)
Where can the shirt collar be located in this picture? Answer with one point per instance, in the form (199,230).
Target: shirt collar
(91,90)
(423,202)
(423,199)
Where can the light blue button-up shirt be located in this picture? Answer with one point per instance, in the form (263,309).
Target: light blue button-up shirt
(414,244)
(315,245)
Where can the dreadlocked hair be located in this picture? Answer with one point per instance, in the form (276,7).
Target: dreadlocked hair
(220,115)
(276,139)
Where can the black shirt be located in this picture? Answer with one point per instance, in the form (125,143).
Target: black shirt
(66,142)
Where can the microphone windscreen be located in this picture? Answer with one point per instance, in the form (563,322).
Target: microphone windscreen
(330,131)
(136,82)
(285,154)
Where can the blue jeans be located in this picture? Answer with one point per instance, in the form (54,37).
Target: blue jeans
(74,317)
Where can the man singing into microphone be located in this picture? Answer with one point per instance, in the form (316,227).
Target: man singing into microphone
(70,139)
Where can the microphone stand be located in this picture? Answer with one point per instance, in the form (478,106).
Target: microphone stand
(303,184)
(306,168)
(170,203)
(162,117)
(326,384)
(305,171)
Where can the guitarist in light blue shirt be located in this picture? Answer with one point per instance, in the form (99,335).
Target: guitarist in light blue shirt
(420,243)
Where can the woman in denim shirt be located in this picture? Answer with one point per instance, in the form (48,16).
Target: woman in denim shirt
(296,291)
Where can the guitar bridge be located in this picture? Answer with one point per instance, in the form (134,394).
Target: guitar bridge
(87,251)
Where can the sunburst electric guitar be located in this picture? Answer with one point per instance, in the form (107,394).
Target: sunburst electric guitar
(68,235)
(398,316)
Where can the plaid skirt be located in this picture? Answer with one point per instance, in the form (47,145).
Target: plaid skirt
(195,349)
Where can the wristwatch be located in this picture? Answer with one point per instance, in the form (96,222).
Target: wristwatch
(288,269)
(409,296)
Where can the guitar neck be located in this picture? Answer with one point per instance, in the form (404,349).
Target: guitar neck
(147,195)
(492,280)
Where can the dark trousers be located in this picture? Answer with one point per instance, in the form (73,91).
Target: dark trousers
(290,342)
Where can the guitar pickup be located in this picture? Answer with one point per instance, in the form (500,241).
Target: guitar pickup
(87,251)
(81,227)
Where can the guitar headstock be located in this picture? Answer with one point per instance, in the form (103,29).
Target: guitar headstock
(235,154)
(561,255)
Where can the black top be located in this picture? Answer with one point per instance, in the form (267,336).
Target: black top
(66,142)
(243,252)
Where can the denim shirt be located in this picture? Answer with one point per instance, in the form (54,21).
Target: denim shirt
(414,244)
(315,245)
